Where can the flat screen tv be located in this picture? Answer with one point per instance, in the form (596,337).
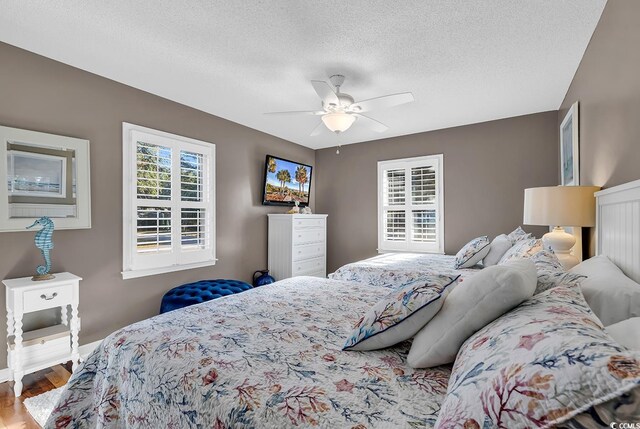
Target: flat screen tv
(286,182)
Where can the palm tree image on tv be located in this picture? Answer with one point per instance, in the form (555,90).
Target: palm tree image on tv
(301,176)
(272,165)
(284,177)
(286,181)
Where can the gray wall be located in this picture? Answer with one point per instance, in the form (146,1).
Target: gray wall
(607,85)
(43,95)
(487,166)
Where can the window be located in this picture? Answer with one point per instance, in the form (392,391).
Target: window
(168,202)
(410,208)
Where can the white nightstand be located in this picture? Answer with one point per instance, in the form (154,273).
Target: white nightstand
(34,350)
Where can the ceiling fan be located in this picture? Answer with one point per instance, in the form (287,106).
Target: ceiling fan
(340,110)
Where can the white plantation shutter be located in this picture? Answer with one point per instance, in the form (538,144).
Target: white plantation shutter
(394,187)
(194,225)
(410,205)
(169,197)
(193,234)
(394,225)
(153,229)
(153,198)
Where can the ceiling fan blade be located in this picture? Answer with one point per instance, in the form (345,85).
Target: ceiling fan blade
(297,112)
(325,92)
(383,102)
(376,126)
(317,130)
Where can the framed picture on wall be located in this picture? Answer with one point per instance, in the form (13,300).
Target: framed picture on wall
(33,174)
(570,164)
(570,148)
(43,175)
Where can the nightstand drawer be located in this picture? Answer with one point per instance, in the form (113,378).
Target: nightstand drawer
(42,346)
(308,223)
(50,297)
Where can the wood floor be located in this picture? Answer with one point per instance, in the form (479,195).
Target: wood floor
(13,414)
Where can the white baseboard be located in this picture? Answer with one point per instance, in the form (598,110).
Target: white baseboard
(84,350)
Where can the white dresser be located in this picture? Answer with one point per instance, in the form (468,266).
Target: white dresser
(297,245)
(41,348)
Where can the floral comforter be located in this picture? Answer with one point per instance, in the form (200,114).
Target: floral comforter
(268,357)
(394,270)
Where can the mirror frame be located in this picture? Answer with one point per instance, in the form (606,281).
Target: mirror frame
(83,179)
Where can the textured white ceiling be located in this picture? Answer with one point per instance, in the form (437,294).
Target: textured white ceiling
(466,61)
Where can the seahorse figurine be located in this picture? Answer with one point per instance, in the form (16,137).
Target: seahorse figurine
(44,242)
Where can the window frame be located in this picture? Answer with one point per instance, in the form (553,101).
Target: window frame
(133,264)
(386,246)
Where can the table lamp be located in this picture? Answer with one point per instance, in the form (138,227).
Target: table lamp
(560,206)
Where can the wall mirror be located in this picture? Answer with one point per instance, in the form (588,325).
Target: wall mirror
(43,175)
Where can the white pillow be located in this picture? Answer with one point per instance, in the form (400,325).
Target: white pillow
(400,314)
(475,302)
(626,333)
(612,296)
(499,247)
(472,252)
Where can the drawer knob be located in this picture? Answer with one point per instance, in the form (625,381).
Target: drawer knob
(49,298)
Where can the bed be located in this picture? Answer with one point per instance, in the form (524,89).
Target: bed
(395,269)
(272,357)
(263,358)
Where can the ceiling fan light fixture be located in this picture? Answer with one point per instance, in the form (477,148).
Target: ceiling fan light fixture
(338,122)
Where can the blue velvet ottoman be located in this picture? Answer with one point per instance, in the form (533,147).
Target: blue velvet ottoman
(200,291)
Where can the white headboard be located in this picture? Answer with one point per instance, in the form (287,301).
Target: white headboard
(618,226)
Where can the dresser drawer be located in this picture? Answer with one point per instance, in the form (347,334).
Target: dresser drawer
(321,273)
(50,297)
(307,223)
(303,268)
(304,236)
(308,251)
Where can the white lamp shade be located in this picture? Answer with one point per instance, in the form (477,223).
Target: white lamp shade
(560,206)
(338,122)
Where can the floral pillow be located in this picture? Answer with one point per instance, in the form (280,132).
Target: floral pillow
(551,273)
(546,260)
(522,249)
(401,314)
(537,366)
(472,252)
(517,235)
(551,279)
